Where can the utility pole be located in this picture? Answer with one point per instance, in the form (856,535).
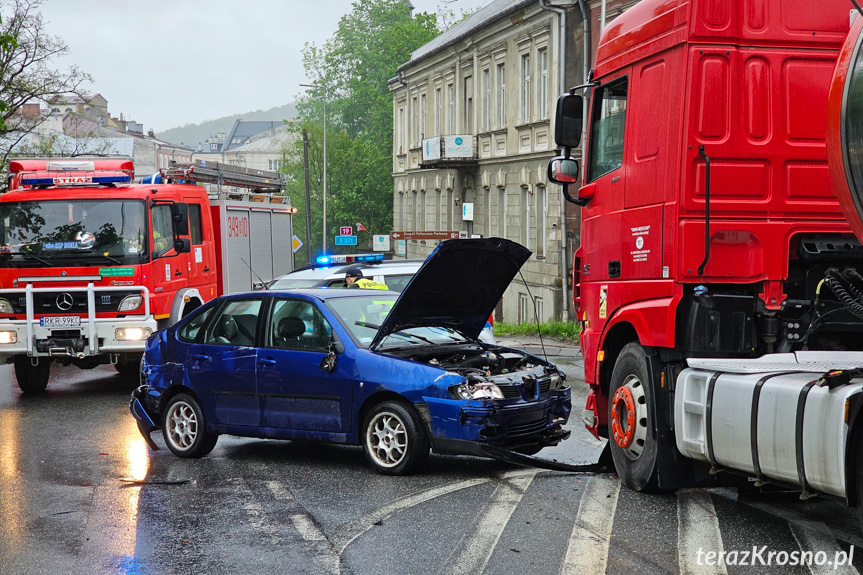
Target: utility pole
(308,197)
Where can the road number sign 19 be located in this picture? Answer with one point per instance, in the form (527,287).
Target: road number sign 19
(346,230)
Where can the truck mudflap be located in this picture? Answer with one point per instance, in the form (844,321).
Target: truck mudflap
(780,418)
(67,333)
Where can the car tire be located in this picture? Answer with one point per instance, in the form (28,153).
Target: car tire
(184,427)
(634,447)
(32,378)
(394,439)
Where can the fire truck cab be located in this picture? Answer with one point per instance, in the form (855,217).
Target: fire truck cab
(92,264)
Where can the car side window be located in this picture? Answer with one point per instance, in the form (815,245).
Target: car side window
(236,324)
(397,283)
(190,332)
(299,325)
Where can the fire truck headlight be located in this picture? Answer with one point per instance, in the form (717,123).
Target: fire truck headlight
(132,333)
(130,303)
(6,306)
(8,337)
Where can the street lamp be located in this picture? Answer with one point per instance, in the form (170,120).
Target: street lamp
(325,160)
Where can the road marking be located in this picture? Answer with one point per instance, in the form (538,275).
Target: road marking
(587,552)
(279,491)
(477,550)
(325,552)
(697,530)
(346,534)
(812,539)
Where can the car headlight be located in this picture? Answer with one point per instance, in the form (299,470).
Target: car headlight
(557,380)
(8,337)
(132,333)
(130,303)
(478,390)
(6,306)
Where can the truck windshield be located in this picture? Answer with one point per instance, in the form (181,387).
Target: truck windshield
(103,231)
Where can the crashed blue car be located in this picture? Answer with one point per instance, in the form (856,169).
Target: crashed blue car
(399,374)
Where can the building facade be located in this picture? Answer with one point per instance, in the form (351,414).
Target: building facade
(473,130)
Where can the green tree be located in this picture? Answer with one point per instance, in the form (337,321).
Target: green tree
(26,75)
(354,68)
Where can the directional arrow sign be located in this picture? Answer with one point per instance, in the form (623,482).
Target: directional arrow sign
(426,235)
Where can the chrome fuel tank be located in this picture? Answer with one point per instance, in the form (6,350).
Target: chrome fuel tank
(769,417)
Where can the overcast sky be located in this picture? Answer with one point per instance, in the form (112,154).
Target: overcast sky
(165,63)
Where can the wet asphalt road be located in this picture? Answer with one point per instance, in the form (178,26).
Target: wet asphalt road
(256,506)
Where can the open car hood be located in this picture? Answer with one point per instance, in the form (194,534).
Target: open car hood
(457,287)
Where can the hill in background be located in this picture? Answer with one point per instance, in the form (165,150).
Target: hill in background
(190,134)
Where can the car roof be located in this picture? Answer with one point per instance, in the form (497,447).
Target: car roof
(319,293)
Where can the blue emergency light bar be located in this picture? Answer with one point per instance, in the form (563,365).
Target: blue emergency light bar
(46,179)
(348,259)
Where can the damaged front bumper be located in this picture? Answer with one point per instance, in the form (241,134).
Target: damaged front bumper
(464,426)
(142,406)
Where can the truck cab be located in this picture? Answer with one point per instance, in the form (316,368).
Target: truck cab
(91,264)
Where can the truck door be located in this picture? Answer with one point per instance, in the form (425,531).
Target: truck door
(602,227)
(171,270)
(202,259)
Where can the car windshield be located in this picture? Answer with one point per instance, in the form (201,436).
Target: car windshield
(362,317)
(67,229)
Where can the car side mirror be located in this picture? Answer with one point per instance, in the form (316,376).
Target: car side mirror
(568,121)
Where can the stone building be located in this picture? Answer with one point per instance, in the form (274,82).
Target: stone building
(473,126)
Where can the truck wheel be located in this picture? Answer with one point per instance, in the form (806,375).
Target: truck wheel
(393,439)
(184,427)
(32,378)
(630,424)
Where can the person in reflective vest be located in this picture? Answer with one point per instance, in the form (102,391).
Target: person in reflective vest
(354,278)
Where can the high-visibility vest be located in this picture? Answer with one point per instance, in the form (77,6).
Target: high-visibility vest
(364,283)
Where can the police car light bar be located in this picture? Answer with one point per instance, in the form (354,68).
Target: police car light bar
(349,259)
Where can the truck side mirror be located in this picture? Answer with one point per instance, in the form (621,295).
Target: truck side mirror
(568,121)
(565,171)
(180,217)
(182,245)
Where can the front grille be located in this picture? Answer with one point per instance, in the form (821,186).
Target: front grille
(528,428)
(510,391)
(45,303)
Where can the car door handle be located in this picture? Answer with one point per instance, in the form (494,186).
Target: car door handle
(178,273)
(267,361)
(201,357)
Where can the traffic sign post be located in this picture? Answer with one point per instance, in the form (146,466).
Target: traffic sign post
(428,235)
(346,240)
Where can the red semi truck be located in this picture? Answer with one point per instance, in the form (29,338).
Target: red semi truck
(717,280)
(91,264)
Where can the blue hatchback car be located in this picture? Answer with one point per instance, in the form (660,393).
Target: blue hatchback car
(396,373)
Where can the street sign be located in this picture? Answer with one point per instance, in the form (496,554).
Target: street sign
(381,243)
(346,240)
(346,231)
(427,235)
(296,244)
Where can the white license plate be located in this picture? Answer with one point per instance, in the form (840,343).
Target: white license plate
(60,321)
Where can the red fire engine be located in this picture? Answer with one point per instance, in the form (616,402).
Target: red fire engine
(91,263)
(716,279)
